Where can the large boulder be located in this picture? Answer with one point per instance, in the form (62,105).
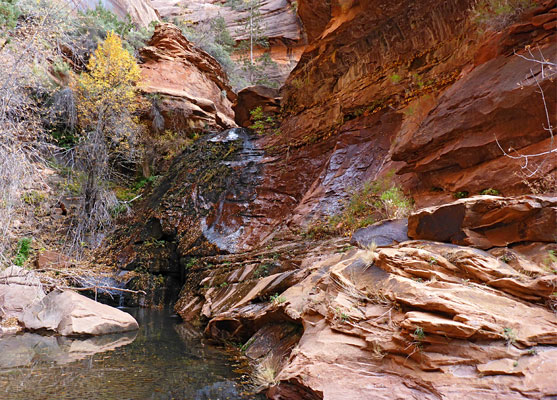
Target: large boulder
(255,96)
(19,290)
(188,88)
(488,221)
(384,233)
(69,313)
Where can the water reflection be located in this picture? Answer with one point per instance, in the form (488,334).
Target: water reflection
(163,360)
(32,349)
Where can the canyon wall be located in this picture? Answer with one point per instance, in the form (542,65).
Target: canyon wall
(460,300)
(278,22)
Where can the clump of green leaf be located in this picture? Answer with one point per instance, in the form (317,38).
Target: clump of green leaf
(9,13)
(490,192)
(395,78)
(33,198)
(276,299)
(509,335)
(419,334)
(263,123)
(461,195)
(23,249)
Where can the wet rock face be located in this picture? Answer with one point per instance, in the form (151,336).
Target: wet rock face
(393,86)
(201,207)
(189,90)
(385,233)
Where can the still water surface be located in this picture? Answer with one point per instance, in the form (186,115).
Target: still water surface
(163,360)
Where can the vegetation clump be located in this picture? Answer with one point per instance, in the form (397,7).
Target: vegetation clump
(498,14)
(23,249)
(375,201)
(490,192)
(263,123)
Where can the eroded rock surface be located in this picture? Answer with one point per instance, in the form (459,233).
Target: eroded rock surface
(488,221)
(417,320)
(139,11)
(188,88)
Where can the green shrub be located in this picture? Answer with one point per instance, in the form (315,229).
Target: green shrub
(395,78)
(490,192)
(33,198)
(9,13)
(461,195)
(263,123)
(214,38)
(140,184)
(277,299)
(22,254)
(419,334)
(118,209)
(94,25)
(375,201)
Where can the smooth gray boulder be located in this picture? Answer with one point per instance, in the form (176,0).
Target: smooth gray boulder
(384,233)
(69,313)
(19,290)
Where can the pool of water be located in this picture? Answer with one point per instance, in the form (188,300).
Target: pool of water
(165,359)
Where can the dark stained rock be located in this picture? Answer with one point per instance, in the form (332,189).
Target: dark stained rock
(255,96)
(315,14)
(384,233)
(487,221)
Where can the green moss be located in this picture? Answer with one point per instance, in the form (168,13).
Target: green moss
(263,123)
(395,78)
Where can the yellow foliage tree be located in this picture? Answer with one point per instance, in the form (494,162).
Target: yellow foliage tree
(106,100)
(108,89)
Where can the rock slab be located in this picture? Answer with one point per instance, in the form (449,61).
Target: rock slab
(19,289)
(488,221)
(384,233)
(69,313)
